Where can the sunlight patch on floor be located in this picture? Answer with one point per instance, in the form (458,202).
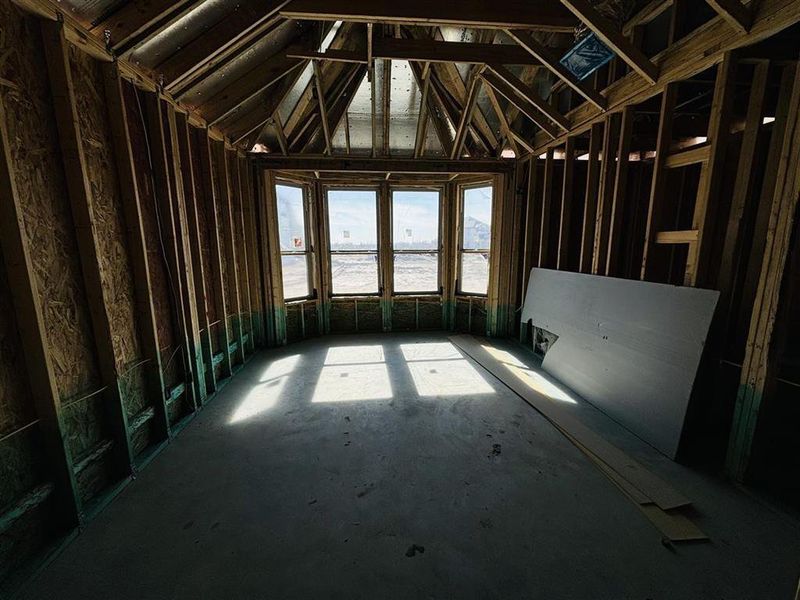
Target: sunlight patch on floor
(447,378)
(353,382)
(281,367)
(354,355)
(430,351)
(536,381)
(260,399)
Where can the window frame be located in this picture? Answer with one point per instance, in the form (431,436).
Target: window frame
(460,250)
(331,253)
(309,245)
(440,246)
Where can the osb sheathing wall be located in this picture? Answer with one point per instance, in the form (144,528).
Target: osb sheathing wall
(46,493)
(115,266)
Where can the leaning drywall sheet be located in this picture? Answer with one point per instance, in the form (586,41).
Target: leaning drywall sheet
(631,348)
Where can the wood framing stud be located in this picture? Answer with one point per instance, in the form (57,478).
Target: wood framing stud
(734,12)
(550,61)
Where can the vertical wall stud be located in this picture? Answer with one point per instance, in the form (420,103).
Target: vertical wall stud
(180,224)
(244,251)
(590,201)
(131,204)
(605,192)
(209,184)
(547,201)
(613,262)
(758,370)
(273,252)
(706,205)
(658,187)
(567,199)
(194,251)
(225,190)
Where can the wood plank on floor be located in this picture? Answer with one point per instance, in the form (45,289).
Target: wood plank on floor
(652,486)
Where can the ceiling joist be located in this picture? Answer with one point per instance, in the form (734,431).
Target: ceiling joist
(545,15)
(325,164)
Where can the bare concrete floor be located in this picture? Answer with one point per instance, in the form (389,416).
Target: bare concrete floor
(325,468)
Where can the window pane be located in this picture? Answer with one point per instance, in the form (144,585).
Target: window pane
(415,220)
(295,276)
(354,273)
(291,220)
(477,218)
(474,273)
(352,219)
(416,272)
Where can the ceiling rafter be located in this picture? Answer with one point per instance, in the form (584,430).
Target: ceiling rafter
(466,115)
(253,83)
(228,34)
(340,103)
(734,12)
(305,109)
(241,126)
(422,118)
(529,94)
(322,106)
(551,62)
(505,126)
(607,31)
(186,85)
(335,83)
(523,105)
(435,109)
(135,22)
(447,72)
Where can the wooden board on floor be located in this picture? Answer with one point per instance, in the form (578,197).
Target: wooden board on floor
(657,500)
(656,489)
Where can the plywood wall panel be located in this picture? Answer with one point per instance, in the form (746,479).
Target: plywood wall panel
(115,267)
(47,218)
(20,456)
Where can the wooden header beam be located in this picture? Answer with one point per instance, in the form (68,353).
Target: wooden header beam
(380,165)
(544,15)
(446,52)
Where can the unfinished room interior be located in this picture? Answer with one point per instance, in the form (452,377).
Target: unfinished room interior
(411,299)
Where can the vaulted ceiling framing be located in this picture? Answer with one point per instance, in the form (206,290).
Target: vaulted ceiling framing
(304,76)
